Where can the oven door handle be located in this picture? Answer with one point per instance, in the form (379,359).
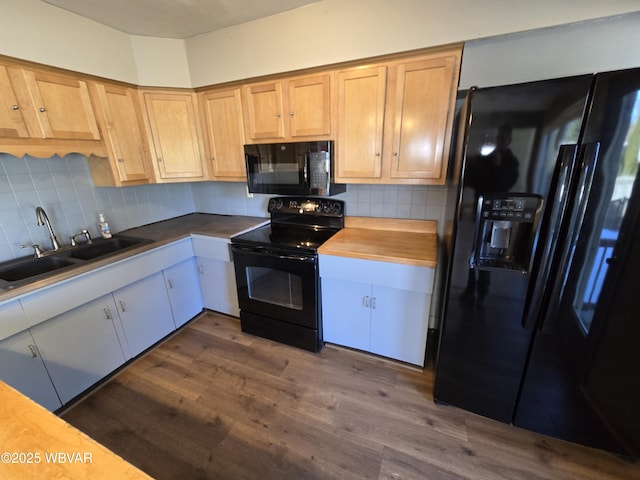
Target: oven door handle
(263,250)
(298,258)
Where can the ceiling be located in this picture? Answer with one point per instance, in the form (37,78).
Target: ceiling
(175,18)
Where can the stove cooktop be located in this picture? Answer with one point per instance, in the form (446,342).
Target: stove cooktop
(286,237)
(297,223)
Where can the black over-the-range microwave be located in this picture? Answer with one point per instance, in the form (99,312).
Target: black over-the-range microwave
(298,168)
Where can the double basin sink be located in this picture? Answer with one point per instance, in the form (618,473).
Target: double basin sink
(24,270)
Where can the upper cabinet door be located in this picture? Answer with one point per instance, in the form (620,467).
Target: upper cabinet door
(422,117)
(175,134)
(264,111)
(395,119)
(12,123)
(290,110)
(120,116)
(62,106)
(309,101)
(221,112)
(361,105)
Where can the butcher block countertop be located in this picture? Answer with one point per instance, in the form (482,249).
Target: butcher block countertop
(411,242)
(36,444)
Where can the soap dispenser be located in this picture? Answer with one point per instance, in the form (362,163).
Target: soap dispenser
(104,227)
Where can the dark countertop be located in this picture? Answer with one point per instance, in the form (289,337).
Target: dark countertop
(161,233)
(225,226)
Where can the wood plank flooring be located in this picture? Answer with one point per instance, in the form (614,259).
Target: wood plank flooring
(214,403)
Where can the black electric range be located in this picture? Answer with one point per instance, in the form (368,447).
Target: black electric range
(276,268)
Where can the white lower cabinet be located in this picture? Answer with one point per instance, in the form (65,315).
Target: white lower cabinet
(60,340)
(346,317)
(218,286)
(378,307)
(144,310)
(183,288)
(21,367)
(217,275)
(80,347)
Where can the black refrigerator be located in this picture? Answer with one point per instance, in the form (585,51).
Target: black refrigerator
(541,326)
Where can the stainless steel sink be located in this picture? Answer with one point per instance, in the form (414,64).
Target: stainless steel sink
(24,270)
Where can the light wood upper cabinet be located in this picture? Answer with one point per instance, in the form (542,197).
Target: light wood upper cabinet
(422,110)
(221,115)
(309,108)
(61,105)
(120,117)
(264,111)
(12,122)
(361,102)
(395,120)
(177,150)
(288,110)
(45,111)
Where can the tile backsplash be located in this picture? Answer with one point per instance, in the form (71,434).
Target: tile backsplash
(64,188)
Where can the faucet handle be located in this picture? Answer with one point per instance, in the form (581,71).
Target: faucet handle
(84,232)
(36,248)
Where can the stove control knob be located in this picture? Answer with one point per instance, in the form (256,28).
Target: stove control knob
(275,204)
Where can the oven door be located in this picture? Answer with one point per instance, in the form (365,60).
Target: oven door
(277,284)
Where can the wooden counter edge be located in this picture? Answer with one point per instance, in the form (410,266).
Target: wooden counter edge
(28,428)
(379,258)
(395,224)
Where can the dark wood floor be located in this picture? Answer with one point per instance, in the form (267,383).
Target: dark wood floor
(213,402)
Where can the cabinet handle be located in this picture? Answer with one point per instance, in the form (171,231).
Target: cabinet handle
(200,269)
(278,115)
(15,107)
(121,160)
(107,313)
(365,301)
(34,352)
(169,283)
(159,159)
(122,306)
(395,154)
(373,303)
(42,109)
(377,154)
(291,114)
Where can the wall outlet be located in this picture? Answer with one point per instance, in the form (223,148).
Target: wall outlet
(249,194)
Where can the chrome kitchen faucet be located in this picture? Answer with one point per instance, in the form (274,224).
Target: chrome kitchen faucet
(40,214)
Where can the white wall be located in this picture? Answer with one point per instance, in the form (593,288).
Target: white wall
(332,31)
(33,30)
(161,62)
(321,33)
(587,47)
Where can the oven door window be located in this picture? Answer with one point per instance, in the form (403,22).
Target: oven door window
(276,287)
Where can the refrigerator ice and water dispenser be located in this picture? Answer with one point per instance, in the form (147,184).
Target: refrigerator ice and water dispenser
(506,227)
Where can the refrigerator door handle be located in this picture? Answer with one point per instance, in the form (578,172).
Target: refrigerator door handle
(588,164)
(549,233)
